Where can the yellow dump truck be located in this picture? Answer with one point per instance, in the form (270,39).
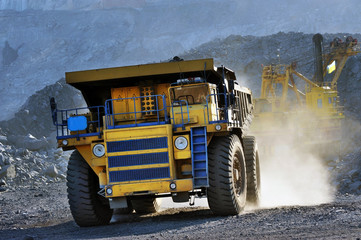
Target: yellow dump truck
(175,129)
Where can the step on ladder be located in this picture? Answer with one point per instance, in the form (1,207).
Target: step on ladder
(199,157)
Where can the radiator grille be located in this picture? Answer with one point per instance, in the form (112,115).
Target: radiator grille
(138,144)
(139,159)
(139,174)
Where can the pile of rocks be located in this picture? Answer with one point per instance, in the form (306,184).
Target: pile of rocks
(24,167)
(28,148)
(348,173)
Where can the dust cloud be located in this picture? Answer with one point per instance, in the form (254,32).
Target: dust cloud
(294,150)
(292,177)
(293,163)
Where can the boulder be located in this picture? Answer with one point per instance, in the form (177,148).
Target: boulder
(3,139)
(355,187)
(2,147)
(29,142)
(33,144)
(353,174)
(8,160)
(2,160)
(2,182)
(8,171)
(51,171)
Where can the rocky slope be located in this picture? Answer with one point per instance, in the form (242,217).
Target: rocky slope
(28,149)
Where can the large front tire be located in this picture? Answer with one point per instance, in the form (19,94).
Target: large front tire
(87,206)
(253,170)
(227,176)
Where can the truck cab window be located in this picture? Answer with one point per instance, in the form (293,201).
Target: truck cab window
(192,94)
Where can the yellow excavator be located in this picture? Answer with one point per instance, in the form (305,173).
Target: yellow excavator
(314,116)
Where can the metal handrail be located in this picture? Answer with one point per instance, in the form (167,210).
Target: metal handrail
(181,108)
(110,115)
(206,107)
(62,131)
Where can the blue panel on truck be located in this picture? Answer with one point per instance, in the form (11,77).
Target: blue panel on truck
(77,123)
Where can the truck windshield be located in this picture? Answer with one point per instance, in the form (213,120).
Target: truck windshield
(193,94)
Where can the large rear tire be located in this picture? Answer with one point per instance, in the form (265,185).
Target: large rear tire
(253,170)
(145,206)
(227,176)
(87,206)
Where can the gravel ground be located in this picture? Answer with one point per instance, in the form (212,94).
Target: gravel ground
(43,213)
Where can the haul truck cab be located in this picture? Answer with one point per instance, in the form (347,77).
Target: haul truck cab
(174,129)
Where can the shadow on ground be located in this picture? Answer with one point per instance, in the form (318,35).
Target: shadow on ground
(121,226)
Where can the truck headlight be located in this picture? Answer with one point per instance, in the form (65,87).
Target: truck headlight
(109,191)
(181,143)
(99,150)
(173,186)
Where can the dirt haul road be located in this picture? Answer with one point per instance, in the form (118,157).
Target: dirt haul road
(43,213)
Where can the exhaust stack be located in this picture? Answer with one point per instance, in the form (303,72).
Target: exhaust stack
(318,39)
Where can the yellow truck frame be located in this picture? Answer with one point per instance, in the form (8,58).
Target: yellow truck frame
(174,129)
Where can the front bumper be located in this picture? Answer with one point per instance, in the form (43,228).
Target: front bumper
(149,188)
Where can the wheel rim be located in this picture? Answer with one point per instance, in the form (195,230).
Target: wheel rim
(237,176)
